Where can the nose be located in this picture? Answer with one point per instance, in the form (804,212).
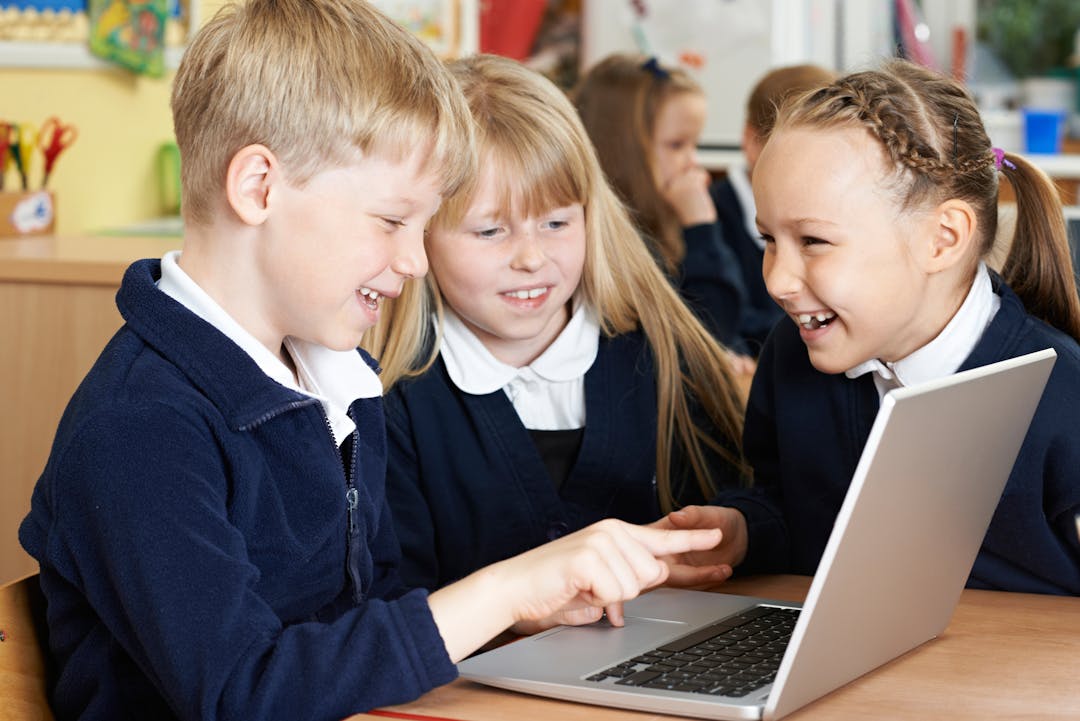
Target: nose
(782,270)
(411,259)
(528,252)
(691,160)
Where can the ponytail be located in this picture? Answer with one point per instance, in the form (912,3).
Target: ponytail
(1039,266)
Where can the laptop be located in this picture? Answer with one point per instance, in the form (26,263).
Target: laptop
(902,547)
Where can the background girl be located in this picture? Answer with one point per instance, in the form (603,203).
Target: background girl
(547,375)
(878,199)
(734,199)
(645,121)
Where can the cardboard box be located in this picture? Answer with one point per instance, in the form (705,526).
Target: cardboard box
(27,213)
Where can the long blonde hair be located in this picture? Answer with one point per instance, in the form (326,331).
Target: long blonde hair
(618,101)
(530,129)
(933,134)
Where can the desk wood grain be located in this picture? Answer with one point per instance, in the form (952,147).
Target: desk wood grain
(1003,656)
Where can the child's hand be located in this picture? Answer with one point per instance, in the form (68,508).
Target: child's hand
(688,194)
(742,365)
(571,617)
(709,566)
(599,566)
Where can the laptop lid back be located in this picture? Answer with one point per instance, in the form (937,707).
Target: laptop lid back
(912,523)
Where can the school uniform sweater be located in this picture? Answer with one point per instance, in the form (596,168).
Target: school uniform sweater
(805,431)
(710,282)
(203,551)
(760,312)
(468,486)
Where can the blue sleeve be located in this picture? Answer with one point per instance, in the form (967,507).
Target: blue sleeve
(767,551)
(711,283)
(413,519)
(142,527)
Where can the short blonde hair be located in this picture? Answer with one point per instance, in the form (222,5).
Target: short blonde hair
(314,82)
(531,135)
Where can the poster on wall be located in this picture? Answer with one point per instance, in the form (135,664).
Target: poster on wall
(130,33)
(140,34)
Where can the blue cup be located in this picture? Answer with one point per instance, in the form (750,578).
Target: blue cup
(1044,130)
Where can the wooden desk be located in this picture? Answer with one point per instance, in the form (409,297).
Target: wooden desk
(57,311)
(1004,656)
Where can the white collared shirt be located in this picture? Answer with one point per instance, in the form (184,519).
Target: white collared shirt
(335,378)
(739,178)
(549,393)
(944,354)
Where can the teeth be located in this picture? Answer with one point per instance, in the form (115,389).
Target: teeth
(813,322)
(526,294)
(373,294)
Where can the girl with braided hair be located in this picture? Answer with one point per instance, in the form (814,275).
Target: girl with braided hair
(877,197)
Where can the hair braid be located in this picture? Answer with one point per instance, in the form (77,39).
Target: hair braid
(931,130)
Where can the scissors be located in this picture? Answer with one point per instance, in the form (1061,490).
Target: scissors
(54,138)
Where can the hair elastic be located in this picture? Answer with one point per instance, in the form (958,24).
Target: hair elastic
(653,66)
(1000,159)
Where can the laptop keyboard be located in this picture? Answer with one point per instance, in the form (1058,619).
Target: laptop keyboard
(733,657)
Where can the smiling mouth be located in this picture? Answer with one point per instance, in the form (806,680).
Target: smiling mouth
(526,294)
(371,297)
(815,321)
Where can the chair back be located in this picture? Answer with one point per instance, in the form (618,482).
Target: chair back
(23,652)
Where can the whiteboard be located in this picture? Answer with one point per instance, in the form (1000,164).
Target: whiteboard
(736,42)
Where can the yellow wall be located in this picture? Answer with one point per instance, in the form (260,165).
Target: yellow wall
(107,178)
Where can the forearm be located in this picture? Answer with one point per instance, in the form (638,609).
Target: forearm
(471,611)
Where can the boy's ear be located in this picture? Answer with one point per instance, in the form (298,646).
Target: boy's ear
(252,172)
(953,233)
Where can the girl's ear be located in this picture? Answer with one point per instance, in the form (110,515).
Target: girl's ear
(952,236)
(251,174)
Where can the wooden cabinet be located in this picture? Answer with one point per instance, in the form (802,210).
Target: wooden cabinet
(57,311)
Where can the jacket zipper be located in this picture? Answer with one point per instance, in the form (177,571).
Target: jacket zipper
(352,502)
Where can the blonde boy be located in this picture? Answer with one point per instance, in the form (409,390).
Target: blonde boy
(211,526)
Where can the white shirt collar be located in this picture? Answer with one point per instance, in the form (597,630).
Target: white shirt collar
(944,354)
(549,393)
(739,178)
(335,378)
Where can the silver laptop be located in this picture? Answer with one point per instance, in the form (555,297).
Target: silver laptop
(929,479)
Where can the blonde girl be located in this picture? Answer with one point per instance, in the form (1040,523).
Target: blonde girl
(546,375)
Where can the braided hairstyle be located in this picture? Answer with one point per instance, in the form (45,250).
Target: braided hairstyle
(931,131)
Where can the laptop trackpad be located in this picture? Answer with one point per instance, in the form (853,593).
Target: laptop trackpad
(602,641)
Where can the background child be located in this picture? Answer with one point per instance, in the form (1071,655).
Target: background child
(734,200)
(877,197)
(557,378)
(211,526)
(645,121)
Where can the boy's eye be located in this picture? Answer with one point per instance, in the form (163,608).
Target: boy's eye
(488,232)
(811,240)
(766,238)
